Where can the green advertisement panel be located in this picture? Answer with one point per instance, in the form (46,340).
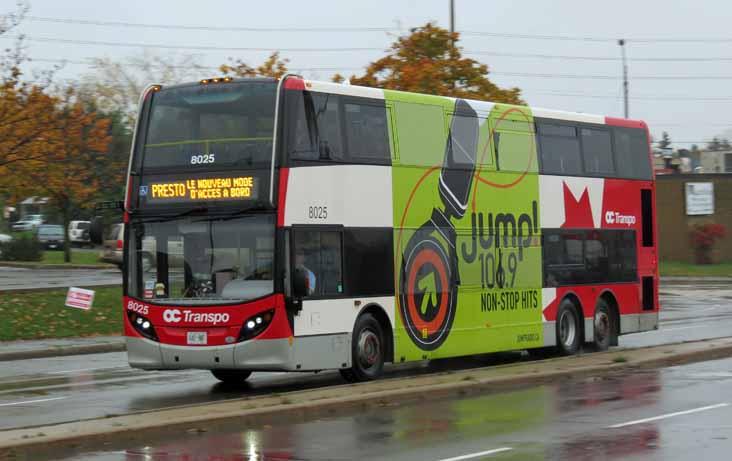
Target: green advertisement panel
(466,227)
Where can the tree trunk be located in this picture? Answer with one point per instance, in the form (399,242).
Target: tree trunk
(67,241)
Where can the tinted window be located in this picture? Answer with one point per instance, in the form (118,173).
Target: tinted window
(369,263)
(366,131)
(515,151)
(315,132)
(597,151)
(560,150)
(632,158)
(319,253)
(588,256)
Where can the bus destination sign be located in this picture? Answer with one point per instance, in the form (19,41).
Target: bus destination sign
(200,189)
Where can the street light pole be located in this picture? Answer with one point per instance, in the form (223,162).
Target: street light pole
(621,42)
(452,16)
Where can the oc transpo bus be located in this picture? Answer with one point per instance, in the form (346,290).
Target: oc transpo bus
(299,225)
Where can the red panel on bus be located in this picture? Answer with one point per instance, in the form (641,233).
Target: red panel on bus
(172,323)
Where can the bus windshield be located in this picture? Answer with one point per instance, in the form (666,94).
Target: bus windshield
(205,261)
(211,126)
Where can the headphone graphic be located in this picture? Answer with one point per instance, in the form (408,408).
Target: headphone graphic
(429,278)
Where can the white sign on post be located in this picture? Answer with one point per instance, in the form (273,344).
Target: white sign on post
(79,298)
(699,198)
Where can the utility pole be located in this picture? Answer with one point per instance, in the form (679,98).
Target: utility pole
(452,16)
(621,42)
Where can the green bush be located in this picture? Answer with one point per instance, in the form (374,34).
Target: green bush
(23,247)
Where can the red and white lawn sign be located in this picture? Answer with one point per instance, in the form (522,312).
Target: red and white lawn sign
(79,298)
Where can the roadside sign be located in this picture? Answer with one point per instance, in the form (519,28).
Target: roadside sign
(699,198)
(80,298)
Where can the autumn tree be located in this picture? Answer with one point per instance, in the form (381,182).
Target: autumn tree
(64,172)
(428,60)
(272,67)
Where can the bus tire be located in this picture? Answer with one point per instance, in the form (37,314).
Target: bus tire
(368,350)
(568,328)
(604,330)
(231,376)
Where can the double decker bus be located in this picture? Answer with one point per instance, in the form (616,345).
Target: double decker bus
(297,225)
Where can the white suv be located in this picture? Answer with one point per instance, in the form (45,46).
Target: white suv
(79,233)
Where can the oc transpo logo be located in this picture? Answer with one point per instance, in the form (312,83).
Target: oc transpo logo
(171,315)
(613,217)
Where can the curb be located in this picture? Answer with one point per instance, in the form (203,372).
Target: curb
(61,351)
(83,435)
(23,265)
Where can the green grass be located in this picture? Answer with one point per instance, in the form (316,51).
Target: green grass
(77,257)
(42,315)
(685,269)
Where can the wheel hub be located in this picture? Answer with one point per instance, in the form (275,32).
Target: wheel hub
(567,329)
(369,348)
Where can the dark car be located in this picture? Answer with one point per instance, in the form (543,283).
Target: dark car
(51,236)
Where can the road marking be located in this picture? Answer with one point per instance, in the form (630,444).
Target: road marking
(476,455)
(88,369)
(669,415)
(30,401)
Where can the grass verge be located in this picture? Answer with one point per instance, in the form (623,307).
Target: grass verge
(77,257)
(676,268)
(42,315)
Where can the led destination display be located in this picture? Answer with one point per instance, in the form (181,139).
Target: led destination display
(201,189)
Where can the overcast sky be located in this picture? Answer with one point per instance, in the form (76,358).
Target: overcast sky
(691,110)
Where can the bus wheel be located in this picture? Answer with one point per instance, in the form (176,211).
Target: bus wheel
(367,351)
(231,376)
(603,324)
(568,328)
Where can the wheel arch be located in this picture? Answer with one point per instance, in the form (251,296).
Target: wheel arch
(379,313)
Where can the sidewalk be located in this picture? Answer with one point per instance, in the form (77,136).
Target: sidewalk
(20,350)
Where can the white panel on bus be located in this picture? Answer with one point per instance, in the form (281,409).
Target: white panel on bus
(328,316)
(553,206)
(348,90)
(348,195)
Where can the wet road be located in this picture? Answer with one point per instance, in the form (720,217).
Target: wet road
(17,278)
(65,389)
(676,413)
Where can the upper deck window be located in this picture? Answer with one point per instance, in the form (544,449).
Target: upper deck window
(560,149)
(211,126)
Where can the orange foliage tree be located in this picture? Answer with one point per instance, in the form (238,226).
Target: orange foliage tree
(272,67)
(64,171)
(429,61)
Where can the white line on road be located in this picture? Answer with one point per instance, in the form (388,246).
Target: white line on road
(669,415)
(64,372)
(476,455)
(30,401)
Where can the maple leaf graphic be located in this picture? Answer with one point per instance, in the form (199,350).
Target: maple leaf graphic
(577,213)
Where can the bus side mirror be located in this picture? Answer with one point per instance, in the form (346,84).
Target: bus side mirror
(299,283)
(96,229)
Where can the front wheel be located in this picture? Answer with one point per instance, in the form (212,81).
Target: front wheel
(367,351)
(231,376)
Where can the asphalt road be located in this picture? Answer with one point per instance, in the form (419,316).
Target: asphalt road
(53,390)
(677,413)
(17,278)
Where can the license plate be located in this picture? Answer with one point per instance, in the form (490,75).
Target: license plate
(197,337)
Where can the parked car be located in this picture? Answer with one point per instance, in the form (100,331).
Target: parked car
(79,233)
(3,239)
(31,222)
(113,244)
(51,236)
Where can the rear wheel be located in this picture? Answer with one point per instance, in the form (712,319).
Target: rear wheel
(231,376)
(367,350)
(604,330)
(568,328)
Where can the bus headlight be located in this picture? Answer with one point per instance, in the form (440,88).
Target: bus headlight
(142,325)
(255,325)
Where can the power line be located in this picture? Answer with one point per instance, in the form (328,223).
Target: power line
(206,28)
(182,47)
